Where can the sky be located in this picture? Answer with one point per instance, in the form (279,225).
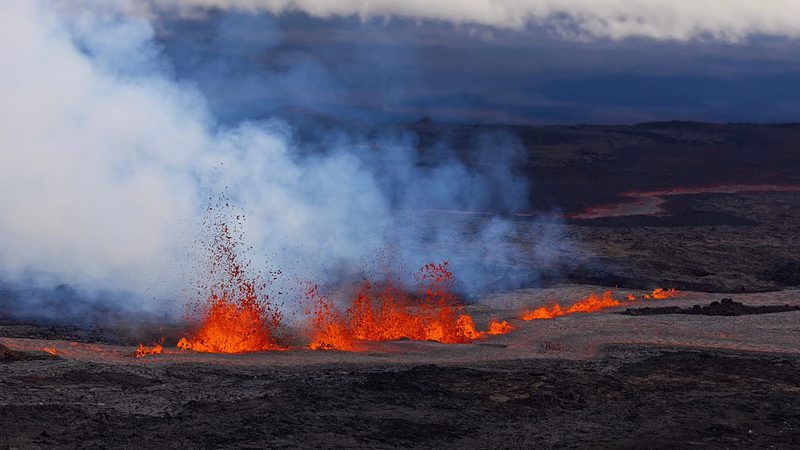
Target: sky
(520,62)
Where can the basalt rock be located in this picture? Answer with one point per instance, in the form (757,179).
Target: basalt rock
(725,307)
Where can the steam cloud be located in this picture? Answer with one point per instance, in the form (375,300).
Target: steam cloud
(728,20)
(108,164)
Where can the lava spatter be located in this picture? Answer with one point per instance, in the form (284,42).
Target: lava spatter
(236,315)
(385,311)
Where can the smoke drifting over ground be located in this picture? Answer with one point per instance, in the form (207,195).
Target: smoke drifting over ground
(108,165)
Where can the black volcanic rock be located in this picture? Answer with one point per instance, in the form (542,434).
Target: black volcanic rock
(7,355)
(786,273)
(725,307)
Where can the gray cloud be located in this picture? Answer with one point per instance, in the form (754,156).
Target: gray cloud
(727,20)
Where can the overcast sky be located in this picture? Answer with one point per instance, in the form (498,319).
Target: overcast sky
(609,61)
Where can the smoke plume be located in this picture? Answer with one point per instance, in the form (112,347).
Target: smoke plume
(108,164)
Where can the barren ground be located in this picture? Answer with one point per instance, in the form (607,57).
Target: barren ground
(603,380)
(600,380)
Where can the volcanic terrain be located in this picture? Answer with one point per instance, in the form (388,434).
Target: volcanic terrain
(683,206)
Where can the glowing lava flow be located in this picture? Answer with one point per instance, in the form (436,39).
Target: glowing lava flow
(386,312)
(637,203)
(145,350)
(663,294)
(592,303)
(237,317)
(497,327)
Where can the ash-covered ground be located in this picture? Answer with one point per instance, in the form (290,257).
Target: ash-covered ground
(600,380)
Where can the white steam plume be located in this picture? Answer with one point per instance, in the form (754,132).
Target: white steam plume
(728,20)
(107,165)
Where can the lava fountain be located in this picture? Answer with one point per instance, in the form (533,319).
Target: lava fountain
(237,316)
(385,311)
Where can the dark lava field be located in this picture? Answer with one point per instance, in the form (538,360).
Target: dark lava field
(655,379)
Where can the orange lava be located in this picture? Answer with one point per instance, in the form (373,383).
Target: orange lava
(591,303)
(497,327)
(232,326)
(663,294)
(385,311)
(657,294)
(145,350)
(329,329)
(52,351)
(237,316)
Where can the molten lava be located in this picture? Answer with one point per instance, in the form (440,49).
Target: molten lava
(237,316)
(233,325)
(50,350)
(593,303)
(589,304)
(663,294)
(329,329)
(383,312)
(657,294)
(145,350)
(497,327)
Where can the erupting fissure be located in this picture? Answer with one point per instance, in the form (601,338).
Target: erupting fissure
(592,303)
(237,316)
(384,311)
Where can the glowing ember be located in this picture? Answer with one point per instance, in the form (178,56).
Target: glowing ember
(386,312)
(631,297)
(50,350)
(236,317)
(591,303)
(145,350)
(497,327)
